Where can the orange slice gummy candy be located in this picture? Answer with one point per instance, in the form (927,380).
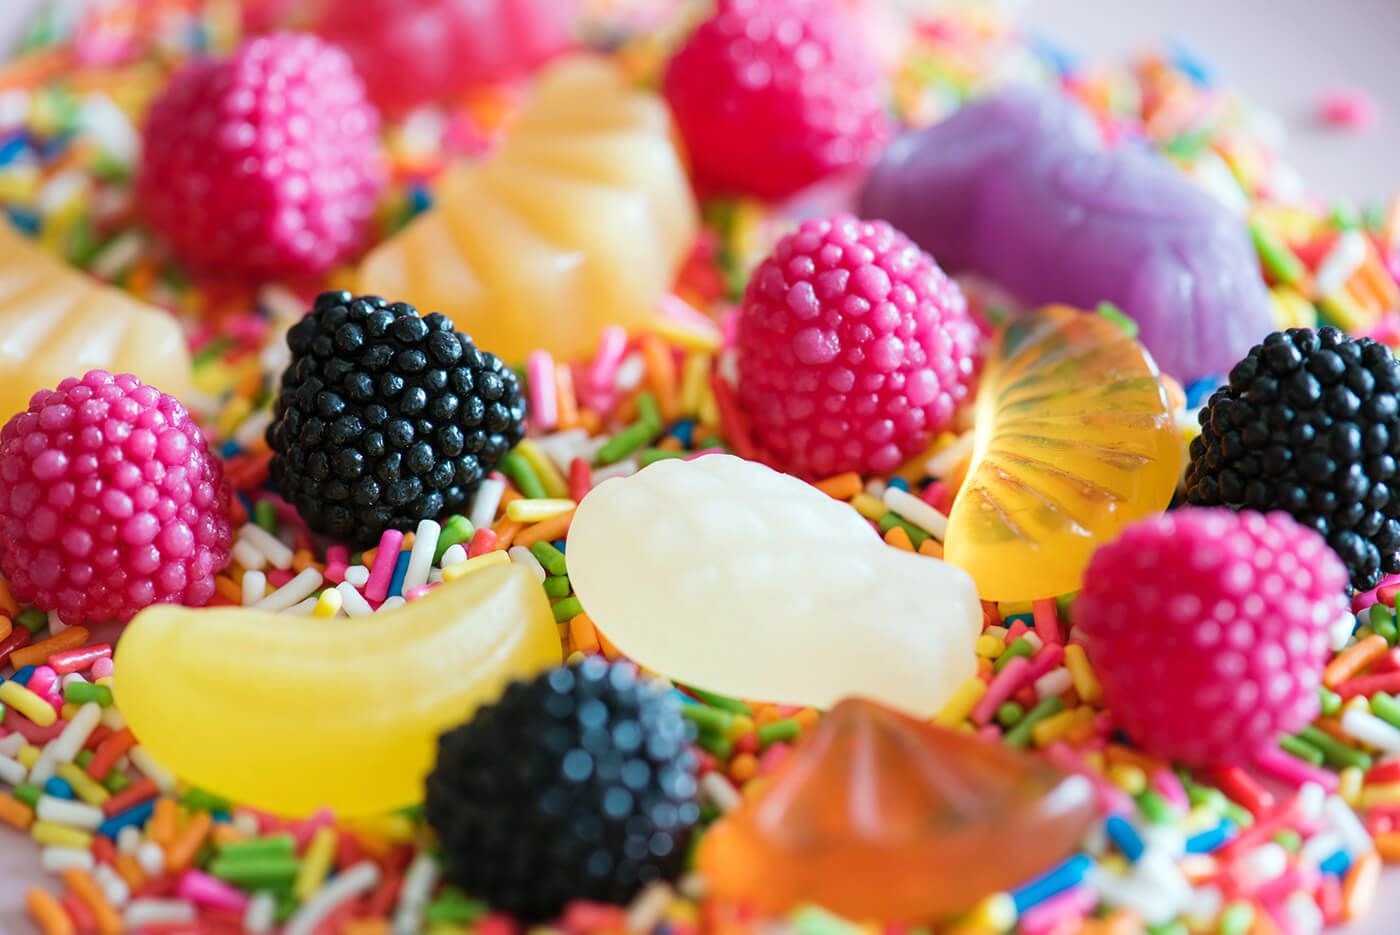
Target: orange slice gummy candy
(56,322)
(877,815)
(1075,439)
(579,221)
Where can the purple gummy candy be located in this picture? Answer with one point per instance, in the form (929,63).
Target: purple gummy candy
(1020,188)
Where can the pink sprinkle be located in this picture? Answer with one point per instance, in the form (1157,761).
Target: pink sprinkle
(412,594)
(679,310)
(337,561)
(544,403)
(1002,687)
(1111,799)
(204,890)
(1047,621)
(1168,785)
(611,346)
(711,451)
(377,587)
(934,493)
(303,830)
(772,758)
(1016,629)
(1056,911)
(1045,660)
(1292,770)
(44,683)
(102,668)
(1302,876)
(483,541)
(279,576)
(1348,109)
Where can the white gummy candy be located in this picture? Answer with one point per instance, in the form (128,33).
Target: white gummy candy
(726,575)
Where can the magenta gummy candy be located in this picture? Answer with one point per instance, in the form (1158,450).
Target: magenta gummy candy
(1021,188)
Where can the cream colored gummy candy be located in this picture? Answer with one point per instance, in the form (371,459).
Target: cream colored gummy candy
(729,576)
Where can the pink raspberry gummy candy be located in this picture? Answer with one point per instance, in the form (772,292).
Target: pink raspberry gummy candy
(1208,630)
(109,501)
(773,95)
(264,165)
(853,349)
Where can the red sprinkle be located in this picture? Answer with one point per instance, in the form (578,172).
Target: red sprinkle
(580,479)
(483,541)
(1243,789)
(109,752)
(80,659)
(18,638)
(142,790)
(1369,684)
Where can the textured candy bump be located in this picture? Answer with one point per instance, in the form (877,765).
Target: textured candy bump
(773,95)
(265,164)
(761,586)
(110,501)
(1021,188)
(1208,630)
(854,348)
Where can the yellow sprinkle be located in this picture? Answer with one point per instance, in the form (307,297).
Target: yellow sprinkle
(233,415)
(68,711)
(1129,778)
(708,413)
(396,829)
(697,338)
(989,647)
(695,378)
(105,680)
(453,572)
(550,479)
(328,604)
(27,703)
(51,835)
(532,511)
(996,913)
(1386,794)
(868,506)
(1011,608)
(998,632)
(957,708)
(28,755)
(1086,684)
(1291,310)
(1349,782)
(1344,310)
(84,786)
(315,863)
(740,726)
(1054,727)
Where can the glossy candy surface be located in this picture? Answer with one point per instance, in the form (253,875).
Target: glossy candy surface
(1075,439)
(56,321)
(578,222)
(760,586)
(880,816)
(290,714)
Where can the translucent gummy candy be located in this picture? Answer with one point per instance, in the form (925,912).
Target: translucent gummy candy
(57,322)
(877,815)
(290,714)
(579,221)
(726,575)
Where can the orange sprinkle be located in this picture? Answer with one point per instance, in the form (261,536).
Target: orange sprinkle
(129,869)
(1359,888)
(224,833)
(15,813)
(109,921)
(506,530)
(36,654)
(807,718)
(590,421)
(609,650)
(931,547)
(583,636)
(1388,845)
(162,828)
(661,375)
(47,913)
(743,767)
(6,627)
(984,666)
(7,602)
(182,850)
(228,588)
(841,486)
(545,530)
(669,443)
(567,399)
(303,559)
(768,714)
(897,537)
(365,927)
(1354,659)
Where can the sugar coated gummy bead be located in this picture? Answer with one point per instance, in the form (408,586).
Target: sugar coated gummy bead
(1208,630)
(110,501)
(54,321)
(290,714)
(1020,187)
(760,586)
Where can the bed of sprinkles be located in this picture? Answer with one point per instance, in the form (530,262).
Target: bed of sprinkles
(1291,845)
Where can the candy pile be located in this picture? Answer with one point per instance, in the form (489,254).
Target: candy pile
(341,707)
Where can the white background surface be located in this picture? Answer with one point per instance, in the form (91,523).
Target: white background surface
(1281,52)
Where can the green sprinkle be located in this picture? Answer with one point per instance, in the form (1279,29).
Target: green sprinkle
(1188,146)
(116,781)
(211,352)
(452,906)
(723,702)
(1065,605)
(813,920)
(1020,735)
(1303,750)
(652,455)
(1374,218)
(265,515)
(83,692)
(32,619)
(1336,752)
(711,441)
(1289,840)
(1020,647)
(1155,807)
(556,586)
(1238,814)
(456,531)
(202,801)
(717,745)
(1386,708)
(1345,216)
(522,475)
(627,441)
(83,758)
(276,845)
(647,413)
(1382,620)
(891,520)
(778,732)
(28,794)
(1010,714)
(708,720)
(550,558)
(1116,315)
(1331,701)
(255,872)
(567,609)
(1174,927)
(1282,263)
(1237,919)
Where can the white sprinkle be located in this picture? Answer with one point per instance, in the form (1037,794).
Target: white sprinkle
(128,840)
(11,744)
(1263,864)
(44,768)
(304,608)
(357,575)
(1302,910)
(298,589)
(247,823)
(1033,640)
(435,576)
(563,447)
(1344,821)
(60,190)
(14,107)
(1215,177)
(917,512)
(116,890)
(1339,633)
(425,540)
(145,912)
(56,626)
(245,554)
(629,373)
(523,556)
(392,603)
(1321,846)
(1347,256)
(112,718)
(486,502)
(1054,682)
(253,428)
(123,250)
(105,123)
(70,678)
(1154,906)
(340,890)
(946,461)
(278,554)
(70,743)
(152,770)
(875,488)
(254,587)
(352,601)
(1311,800)
(59,859)
(646,910)
(1369,729)
(1204,907)
(456,554)
(151,858)
(260,914)
(66,812)
(1166,840)
(13,772)
(418,883)
(717,790)
(282,303)
(624,468)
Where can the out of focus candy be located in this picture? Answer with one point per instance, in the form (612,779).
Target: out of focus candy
(761,586)
(1021,188)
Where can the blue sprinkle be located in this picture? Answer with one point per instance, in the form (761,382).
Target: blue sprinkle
(1189,62)
(58,788)
(1124,836)
(1063,60)
(228,449)
(419,198)
(400,569)
(132,817)
(26,221)
(1053,882)
(1027,619)
(221,816)
(11,148)
(1336,865)
(684,432)
(1197,393)
(899,483)
(23,676)
(558,544)
(682,697)
(1212,838)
